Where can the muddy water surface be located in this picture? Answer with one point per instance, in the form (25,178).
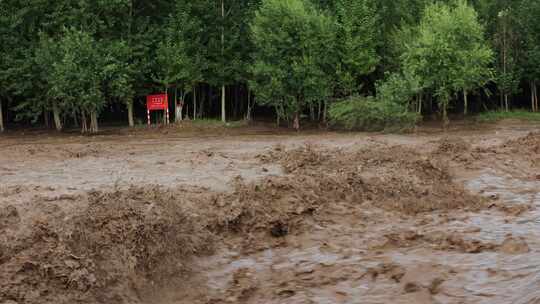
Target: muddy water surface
(347,252)
(349,262)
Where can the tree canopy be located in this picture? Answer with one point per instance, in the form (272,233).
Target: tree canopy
(289,61)
(79,62)
(448,54)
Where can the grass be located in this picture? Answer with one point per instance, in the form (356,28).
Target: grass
(369,114)
(494,116)
(208,122)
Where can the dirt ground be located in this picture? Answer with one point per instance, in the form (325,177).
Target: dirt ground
(257,215)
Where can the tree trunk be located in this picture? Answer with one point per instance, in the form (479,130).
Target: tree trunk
(84,126)
(56,117)
(236,102)
(93,122)
(419,110)
(296,121)
(1,118)
(194,101)
(278,117)
(465,103)
(248,111)
(130,113)
(179,108)
(535,98)
(46,119)
(532,96)
(325,109)
(244,99)
(223,118)
(204,96)
(504,64)
(178,105)
(75,119)
(446,121)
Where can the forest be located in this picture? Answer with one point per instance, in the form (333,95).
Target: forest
(354,64)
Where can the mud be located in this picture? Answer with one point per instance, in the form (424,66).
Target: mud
(117,243)
(252,217)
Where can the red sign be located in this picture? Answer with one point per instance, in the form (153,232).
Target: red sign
(157,102)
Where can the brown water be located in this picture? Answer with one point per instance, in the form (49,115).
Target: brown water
(337,263)
(348,254)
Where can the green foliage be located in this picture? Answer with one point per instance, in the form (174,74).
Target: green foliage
(369,114)
(494,116)
(172,62)
(181,54)
(225,36)
(70,57)
(117,71)
(289,60)
(393,17)
(474,54)
(399,88)
(506,41)
(508,80)
(355,43)
(77,77)
(449,53)
(530,29)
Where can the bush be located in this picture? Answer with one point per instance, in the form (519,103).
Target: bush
(494,116)
(368,114)
(398,88)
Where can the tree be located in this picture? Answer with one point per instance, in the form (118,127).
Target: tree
(508,72)
(77,77)
(244,48)
(288,61)
(170,61)
(181,54)
(46,56)
(474,55)
(15,67)
(401,88)
(394,15)
(1,117)
(207,50)
(448,40)
(227,44)
(530,28)
(501,18)
(6,38)
(356,44)
(118,74)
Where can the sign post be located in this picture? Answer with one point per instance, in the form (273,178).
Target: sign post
(158,102)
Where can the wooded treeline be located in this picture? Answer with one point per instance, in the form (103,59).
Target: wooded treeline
(68,62)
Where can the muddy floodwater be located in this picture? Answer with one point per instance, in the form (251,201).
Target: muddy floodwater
(256,215)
